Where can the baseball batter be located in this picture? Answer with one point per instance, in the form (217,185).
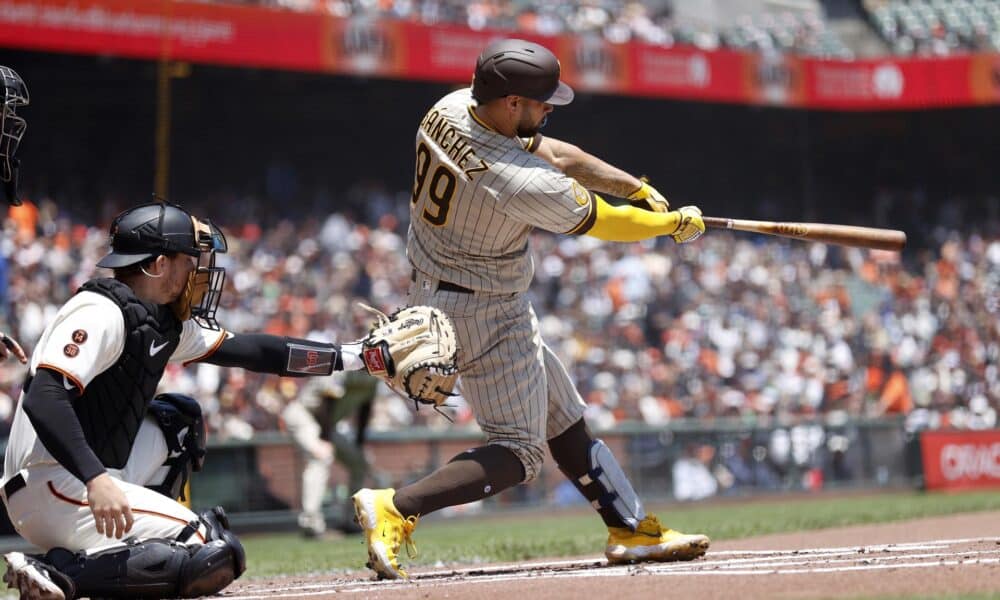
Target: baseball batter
(94,462)
(485,178)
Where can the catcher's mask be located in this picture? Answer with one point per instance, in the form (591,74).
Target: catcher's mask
(12,128)
(145,232)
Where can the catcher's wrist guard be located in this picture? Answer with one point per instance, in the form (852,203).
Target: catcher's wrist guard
(415,352)
(306,357)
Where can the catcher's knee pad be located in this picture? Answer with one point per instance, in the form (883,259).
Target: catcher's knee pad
(211,567)
(180,419)
(153,568)
(217,528)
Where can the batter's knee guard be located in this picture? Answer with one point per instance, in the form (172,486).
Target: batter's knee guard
(180,419)
(158,568)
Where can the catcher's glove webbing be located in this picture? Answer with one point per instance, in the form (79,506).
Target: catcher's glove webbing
(414,350)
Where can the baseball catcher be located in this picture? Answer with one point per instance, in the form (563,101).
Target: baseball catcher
(95,459)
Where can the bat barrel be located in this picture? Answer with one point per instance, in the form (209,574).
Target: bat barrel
(846,235)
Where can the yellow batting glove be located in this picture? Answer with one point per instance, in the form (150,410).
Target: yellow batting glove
(690,227)
(647,198)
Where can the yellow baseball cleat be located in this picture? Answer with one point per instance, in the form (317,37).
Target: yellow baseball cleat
(651,541)
(385,530)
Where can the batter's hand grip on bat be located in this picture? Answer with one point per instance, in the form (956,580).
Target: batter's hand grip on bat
(844,235)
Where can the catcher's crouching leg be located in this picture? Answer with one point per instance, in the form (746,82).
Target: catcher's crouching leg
(158,568)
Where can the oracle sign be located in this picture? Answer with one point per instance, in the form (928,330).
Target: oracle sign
(961,459)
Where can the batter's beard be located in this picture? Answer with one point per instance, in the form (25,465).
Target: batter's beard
(530,130)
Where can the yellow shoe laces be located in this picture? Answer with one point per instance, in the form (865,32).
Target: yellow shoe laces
(409,524)
(650,526)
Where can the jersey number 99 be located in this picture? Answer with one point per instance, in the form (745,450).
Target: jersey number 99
(440,187)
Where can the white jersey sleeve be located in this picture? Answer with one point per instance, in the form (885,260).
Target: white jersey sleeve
(86,338)
(197,342)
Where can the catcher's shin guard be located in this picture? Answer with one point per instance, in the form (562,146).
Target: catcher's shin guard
(158,568)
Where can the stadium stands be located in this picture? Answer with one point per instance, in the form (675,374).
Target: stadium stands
(797,27)
(936,27)
(770,329)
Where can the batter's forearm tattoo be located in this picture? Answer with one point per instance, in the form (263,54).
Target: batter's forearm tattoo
(593,173)
(598,176)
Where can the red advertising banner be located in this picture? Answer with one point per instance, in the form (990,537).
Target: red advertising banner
(687,73)
(270,38)
(365,47)
(197,32)
(777,79)
(956,460)
(591,63)
(984,78)
(445,53)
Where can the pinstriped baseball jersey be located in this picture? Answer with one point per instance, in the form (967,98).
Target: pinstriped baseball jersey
(477,194)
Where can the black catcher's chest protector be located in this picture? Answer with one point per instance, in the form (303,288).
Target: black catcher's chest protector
(114,404)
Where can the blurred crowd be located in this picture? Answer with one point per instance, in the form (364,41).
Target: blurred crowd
(657,22)
(936,27)
(732,326)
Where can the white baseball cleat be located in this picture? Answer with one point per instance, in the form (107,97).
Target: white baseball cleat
(35,580)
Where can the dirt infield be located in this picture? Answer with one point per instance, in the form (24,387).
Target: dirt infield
(942,555)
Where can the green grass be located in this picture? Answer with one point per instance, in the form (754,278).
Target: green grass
(520,536)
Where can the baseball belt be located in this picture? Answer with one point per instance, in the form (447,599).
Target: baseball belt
(445,286)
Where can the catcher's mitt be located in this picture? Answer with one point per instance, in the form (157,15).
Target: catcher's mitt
(414,350)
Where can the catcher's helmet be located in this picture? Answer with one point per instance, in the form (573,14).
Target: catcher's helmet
(13,94)
(517,67)
(148,231)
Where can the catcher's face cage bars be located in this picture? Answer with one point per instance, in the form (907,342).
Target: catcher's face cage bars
(12,127)
(210,241)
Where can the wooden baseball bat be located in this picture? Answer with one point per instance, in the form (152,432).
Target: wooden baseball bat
(845,235)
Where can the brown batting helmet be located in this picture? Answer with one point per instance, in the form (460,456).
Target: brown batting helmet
(515,67)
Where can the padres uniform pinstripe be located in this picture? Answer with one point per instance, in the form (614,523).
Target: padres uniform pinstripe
(484,179)
(477,196)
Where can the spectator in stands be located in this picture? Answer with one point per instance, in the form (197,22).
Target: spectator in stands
(768,328)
